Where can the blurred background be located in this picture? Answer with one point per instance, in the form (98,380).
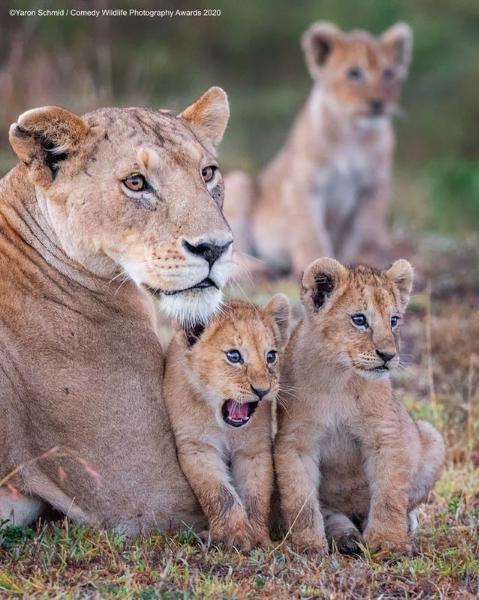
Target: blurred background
(253,51)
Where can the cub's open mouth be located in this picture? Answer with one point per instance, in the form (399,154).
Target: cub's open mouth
(206,283)
(236,414)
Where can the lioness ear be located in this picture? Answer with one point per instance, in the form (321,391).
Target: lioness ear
(402,274)
(320,280)
(43,137)
(208,116)
(317,43)
(398,39)
(280,310)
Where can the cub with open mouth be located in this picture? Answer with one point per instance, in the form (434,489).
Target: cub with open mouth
(220,386)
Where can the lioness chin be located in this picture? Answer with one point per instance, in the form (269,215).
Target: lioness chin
(103,213)
(351,463)
(220,387)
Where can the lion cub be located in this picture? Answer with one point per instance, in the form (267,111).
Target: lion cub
(327,190)
(219,387)
(351,463)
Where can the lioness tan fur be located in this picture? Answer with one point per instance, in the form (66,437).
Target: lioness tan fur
(348,456)
(103,213)
(221,413)
(327,191)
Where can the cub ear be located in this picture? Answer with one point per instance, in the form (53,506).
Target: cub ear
(398,39)
(193,334)
(317,42)
(280,310)
(402,274)
(208,116)
(320,280)
(43,137)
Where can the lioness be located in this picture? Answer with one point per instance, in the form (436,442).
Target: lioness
(103,213)
(219,387)
(341,430)
(327,190)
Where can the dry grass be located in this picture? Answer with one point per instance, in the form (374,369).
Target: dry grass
(440,382)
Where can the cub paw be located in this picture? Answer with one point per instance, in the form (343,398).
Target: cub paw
(391,542)
(235,535)
(349,543)
(311,542)
(261,538)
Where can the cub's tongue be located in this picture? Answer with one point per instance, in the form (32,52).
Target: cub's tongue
(236,412)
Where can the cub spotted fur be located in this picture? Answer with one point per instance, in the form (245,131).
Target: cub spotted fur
(327,190)
(219,388)
(342,433)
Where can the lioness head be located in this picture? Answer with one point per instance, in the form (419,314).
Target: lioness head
(136,191)
(360,74)
(234,362)
(355,313)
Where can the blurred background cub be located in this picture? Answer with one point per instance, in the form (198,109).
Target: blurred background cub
(220,386)
(327,191)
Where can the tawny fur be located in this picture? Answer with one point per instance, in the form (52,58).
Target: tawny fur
(347,452)
(230,469)
(81,364)
(327,191)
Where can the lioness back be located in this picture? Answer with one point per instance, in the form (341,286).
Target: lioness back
(220,386)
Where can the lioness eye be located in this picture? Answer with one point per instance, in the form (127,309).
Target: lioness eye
(234,356)
(388,74)
(271,357)
(135,183)
(208,173)
(355,73)
(360,320)
(394,321)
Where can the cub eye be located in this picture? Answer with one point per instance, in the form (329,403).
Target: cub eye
(208,173)
(355,74)
(234,356)
(388,74)
(271,357)
(135,183)
(394,321)
(360,320)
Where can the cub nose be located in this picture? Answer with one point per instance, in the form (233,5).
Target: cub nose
(376,106)
(385,356)
(210,251)
(260,392)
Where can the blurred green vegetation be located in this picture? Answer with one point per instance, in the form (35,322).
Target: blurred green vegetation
(252,50)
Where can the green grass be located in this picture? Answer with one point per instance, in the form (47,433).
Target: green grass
(61,560)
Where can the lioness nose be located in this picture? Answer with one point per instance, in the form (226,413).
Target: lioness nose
(207,250)
(261,393)
(376,105)
(385,356)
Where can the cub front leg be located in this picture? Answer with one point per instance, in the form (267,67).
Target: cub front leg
(368,239)
(296,460)
(253,476)
(388,471)
(309,236)
(208,476)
